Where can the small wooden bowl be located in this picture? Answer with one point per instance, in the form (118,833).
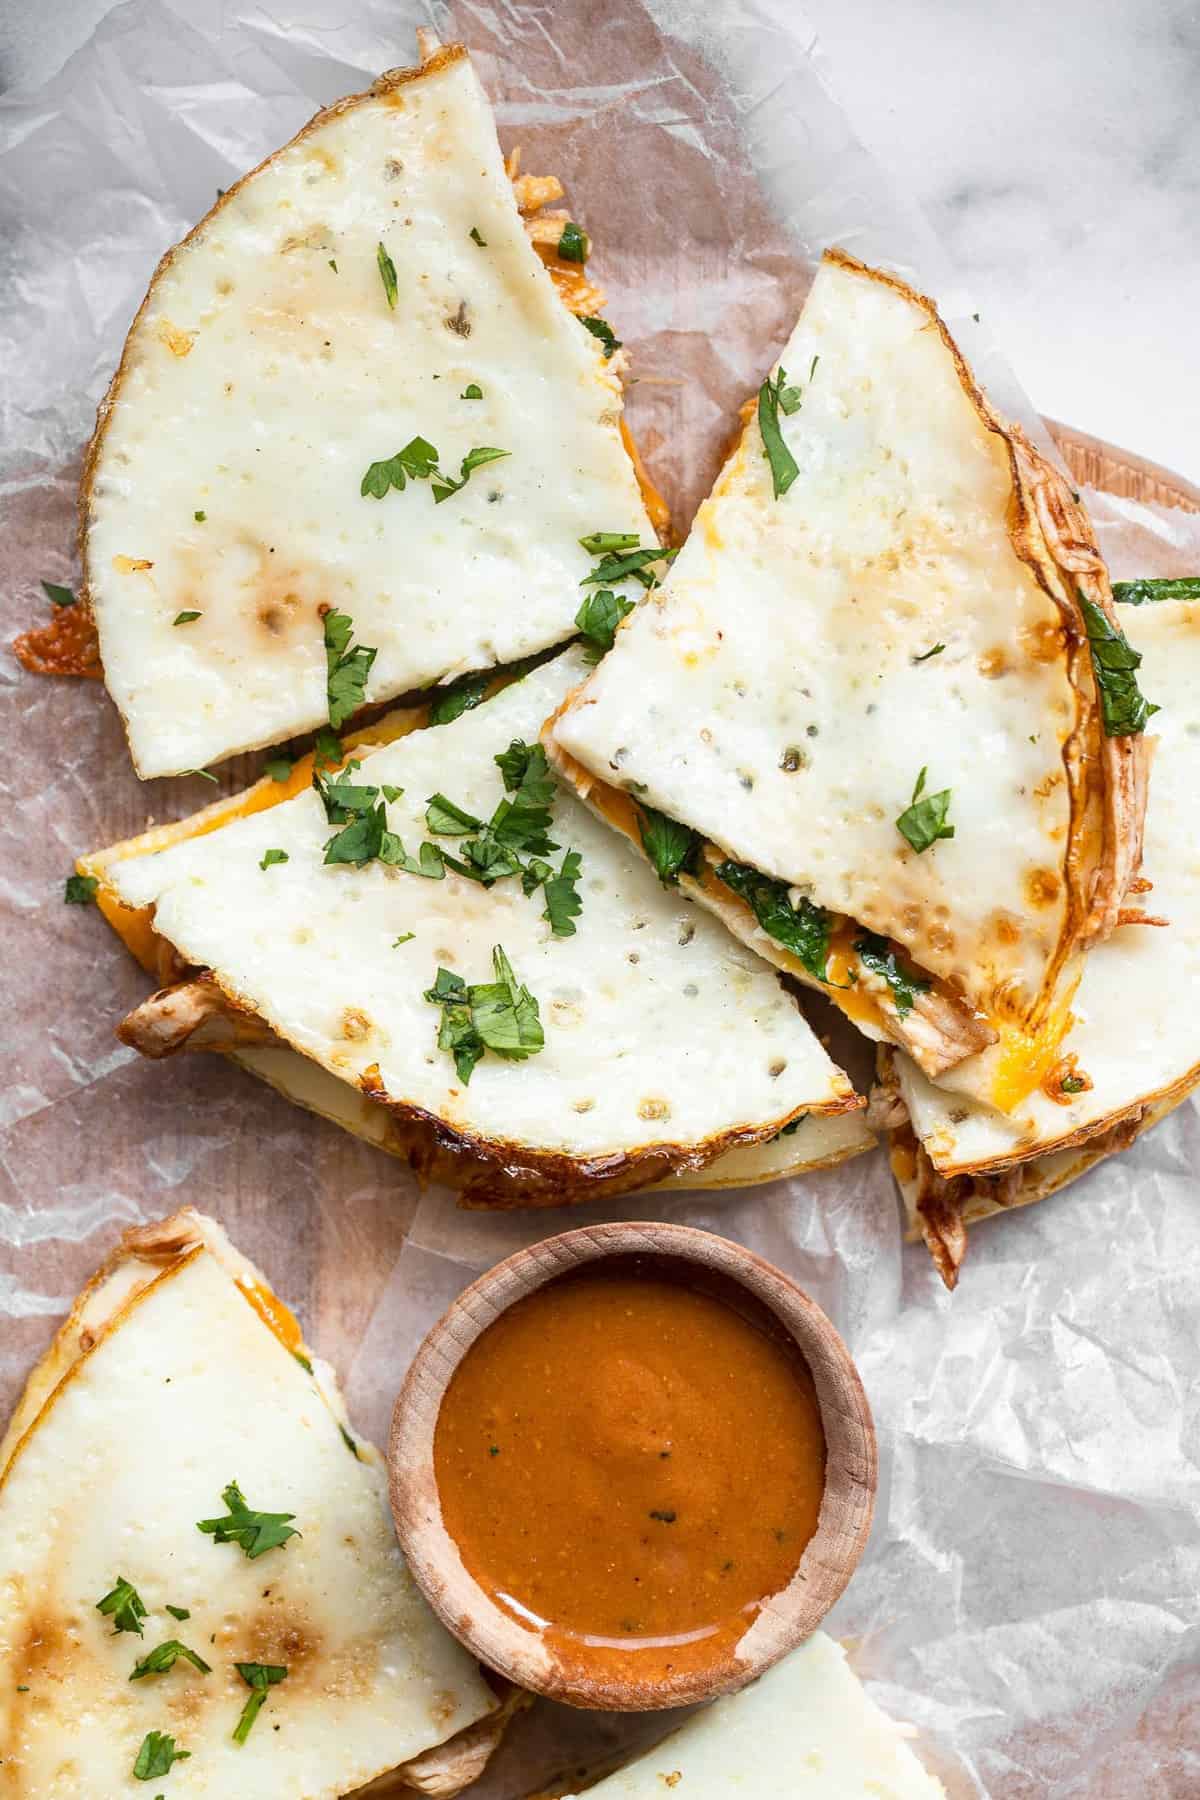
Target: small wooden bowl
(784,1621)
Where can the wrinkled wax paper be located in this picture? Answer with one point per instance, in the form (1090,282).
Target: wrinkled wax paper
(1031,1595)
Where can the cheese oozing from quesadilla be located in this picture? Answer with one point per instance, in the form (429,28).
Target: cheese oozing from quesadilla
(353,389)
(866,688)
(1132,1052)
(806,1730)
(638,995)
(132,1633)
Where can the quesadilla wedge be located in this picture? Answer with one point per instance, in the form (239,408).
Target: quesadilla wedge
(151,1612)
(538,1016)
(355,436)
(806,1730)
(1132,1052)
(862,716)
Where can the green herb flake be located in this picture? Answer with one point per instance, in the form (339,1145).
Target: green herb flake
(476,239)
(303,1360)
(601,329)
(618,566)
(673,849)
(926,654)
(445,819)
(1148,590)
(1124,708)
(501,1016)
(279,768)
(123,1605)
(598,618)
(462,696)
(204,774)
(255,1532)
(349,1442)
(59,596)
(259,1678)
(601,543)
(803,929)
(923,822)
(574,245)
(186,618)
(179,1612)
(157,1756)
(1073,1084)
(327,748)
(348,668)
(775,397)
(162,1659)
(563,902)
(333,265)
(200,516)
(472,391)
(415,462)
(271,857)
(878,958)
(445,485)
(80,890)
(387,274)
(405,938)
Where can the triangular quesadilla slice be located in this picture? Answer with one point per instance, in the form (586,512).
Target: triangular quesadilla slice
(356,435)
(201,1585)
(806,1730)
(879,717)
(1133,1048)
(439,925)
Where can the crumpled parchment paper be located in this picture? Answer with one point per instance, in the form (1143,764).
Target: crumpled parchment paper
(1031,1595)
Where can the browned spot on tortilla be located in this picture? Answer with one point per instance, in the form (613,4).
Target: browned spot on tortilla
(355,1025)
(582,1106)
(993,662)
(131,565)
(1042,887)
(443,1707)
(653,1109)
(939,938)
(276,613)
(66,645)
(1007,930)
(47,1646)
(1044,641)
(178,342)
(458,322)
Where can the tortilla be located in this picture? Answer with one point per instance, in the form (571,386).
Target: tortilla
(177,1373)
(902,633)
(370,285)
(1132,1051)
(638,1007)
(806,1730)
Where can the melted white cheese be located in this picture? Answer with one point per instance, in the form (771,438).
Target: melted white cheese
(1135,1035)
(773,697)
(260,382)
(639,1008)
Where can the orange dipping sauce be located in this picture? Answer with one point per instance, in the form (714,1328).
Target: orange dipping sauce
(631,1460)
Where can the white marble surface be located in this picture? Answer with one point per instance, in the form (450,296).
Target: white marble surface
(1056,148)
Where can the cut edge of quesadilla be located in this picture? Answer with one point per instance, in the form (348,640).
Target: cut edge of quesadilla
(193,1011)
(144,1259)
(71,642)
(997,1055)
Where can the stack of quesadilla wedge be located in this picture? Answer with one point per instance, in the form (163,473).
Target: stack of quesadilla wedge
(437,943)
(354,421)
(201,1586)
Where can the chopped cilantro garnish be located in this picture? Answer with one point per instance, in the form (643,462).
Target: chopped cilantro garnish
(1125,710)
(387,274)
(164,1658)
(405,937)
(803,928)
(926,654)
(574,245)
(472,391)
(80,890)
(179,1612)
(123,1605)
(204,774)
(461,696)
(199,515)
(157,1756)
(327,748)
(445,485)
(279,768)
(923,821)
(1148,589)
(614,566)
(349,1442)
(185,618)
(445,819)
(775,397)
(418,462)
(348,668)
(501,1016)
(598,618)
(255,1532)
(258,1677)
(563,904)
(599,543)
(271,857)
(673,849)
(878,957)
(59,596)
(476,239)
(1073,1084)
(600,328)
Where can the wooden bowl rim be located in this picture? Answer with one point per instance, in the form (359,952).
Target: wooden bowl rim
(784,1621)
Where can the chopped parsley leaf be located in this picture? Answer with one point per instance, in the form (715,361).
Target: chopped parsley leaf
(255,1532)
(327,748)
(123,1605)
(179,1612)
(164,1658)
(271,857)
(445,819)
(200,516)
(600,328)
(614,566)
(348,668)
(463,695)
(599,543)
(574,245)
(926,654)
(186,618)
(878,957)
(673,849)
(333,265)
(59,596)
(204,774)
(387,274)
(472,391)
(1073,1084)
(598,618)
(923,821)
(349,1442)
(563,904)
(157,1756)
(1147,590)
(774,397)
(415,462)
(258,1677)
(279,768)
(1124,708)
(803,929)
(476,239)
(80,890)
(445,485)
(501,1016)
(405,938)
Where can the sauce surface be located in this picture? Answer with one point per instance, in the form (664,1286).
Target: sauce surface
(631,1459)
